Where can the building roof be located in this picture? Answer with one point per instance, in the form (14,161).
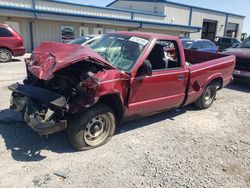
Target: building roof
(179,4)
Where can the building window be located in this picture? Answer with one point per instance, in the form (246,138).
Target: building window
(67,33)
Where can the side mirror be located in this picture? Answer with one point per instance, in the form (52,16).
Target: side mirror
(147,67)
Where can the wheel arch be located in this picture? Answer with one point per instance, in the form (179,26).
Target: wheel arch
(115,103)
(217,79)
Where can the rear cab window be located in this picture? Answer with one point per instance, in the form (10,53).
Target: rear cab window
(165,55)
(5,32)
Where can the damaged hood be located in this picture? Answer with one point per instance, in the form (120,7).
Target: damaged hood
(50,57)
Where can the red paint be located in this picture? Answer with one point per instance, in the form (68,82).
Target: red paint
(51,56)
(144,94)
(13,43)
(240,53)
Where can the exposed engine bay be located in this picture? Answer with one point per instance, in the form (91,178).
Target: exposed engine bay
(46,104)
(68,81)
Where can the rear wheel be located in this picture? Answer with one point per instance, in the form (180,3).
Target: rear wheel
(92,129)
(207,98)
(5,55)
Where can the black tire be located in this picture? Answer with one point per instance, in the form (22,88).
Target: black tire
(93,128)
(5,55)
(207,97)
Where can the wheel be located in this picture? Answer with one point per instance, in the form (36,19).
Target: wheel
(5,55)
(207,98)
(92,129)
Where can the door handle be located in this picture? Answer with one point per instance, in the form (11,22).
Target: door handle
(181,77)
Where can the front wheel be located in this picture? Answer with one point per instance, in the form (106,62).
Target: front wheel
(5,55)
(92,129)
(207,98)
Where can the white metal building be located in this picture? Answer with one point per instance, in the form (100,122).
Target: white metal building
(53,20)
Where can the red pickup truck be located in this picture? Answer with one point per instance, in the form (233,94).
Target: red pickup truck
(90,90)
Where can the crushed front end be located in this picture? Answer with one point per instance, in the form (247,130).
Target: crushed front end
(43,111)
(55,89)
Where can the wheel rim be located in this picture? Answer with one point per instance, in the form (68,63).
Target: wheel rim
(209,96)
(4,55)
(97,130)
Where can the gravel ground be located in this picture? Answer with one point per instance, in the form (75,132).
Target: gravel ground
(179,148)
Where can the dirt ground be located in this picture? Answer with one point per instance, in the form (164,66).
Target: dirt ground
(179,148)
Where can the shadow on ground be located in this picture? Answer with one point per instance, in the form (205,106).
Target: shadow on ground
(26,145)
(240,85)
(13,60)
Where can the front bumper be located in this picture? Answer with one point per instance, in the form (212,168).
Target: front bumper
(18,51)
(28,100)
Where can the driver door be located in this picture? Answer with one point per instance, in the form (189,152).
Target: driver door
(166,87)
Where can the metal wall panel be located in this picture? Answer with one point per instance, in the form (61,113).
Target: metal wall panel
(177,14)
(148,18)
(141,6)
(45,30)
(25,33)
(82,10)
(165,32)
(16,13)
(199,15)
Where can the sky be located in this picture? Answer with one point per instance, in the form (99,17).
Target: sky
(240,7)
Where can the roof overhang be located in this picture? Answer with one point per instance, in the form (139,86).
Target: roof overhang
(178,4)
(62,16)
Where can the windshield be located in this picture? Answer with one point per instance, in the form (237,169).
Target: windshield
(246,43)
(80,40)
(120,50)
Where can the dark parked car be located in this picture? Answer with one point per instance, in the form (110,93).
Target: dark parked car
(202,45)
(88,39)
(11,43)
(226,42)
(242,53)
(122,75)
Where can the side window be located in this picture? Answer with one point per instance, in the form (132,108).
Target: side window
(5,33)
(206,44)
(197,45)
(165,55)
(226,41)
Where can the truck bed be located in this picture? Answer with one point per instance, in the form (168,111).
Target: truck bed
(205,67)
(195,57)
